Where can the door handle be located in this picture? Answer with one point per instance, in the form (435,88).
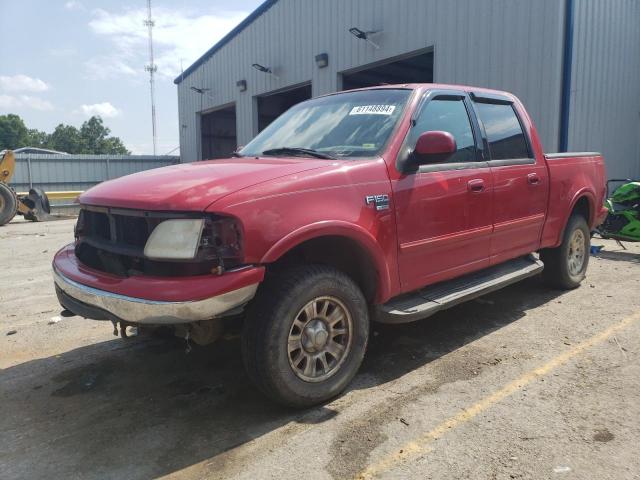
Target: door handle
(476,185)
(533,179)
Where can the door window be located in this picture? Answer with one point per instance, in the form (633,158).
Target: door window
(504,132)
(449,115)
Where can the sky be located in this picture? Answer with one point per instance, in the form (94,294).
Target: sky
(62,61)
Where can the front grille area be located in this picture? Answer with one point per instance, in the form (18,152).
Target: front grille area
(113,240)
(123,229)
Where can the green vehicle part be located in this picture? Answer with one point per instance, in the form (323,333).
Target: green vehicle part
(623,221)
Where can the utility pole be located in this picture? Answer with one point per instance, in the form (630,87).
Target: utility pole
(151,68)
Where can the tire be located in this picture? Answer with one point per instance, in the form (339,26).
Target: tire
(282,340)
(566,266)
(8,204)
(38,193)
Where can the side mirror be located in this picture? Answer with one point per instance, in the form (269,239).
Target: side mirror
(434,146)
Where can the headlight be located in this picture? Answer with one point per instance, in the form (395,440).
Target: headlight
(174,239)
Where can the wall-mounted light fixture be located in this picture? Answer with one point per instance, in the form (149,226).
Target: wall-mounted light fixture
(202,91)
(242,85)
(322,60)
(263,69)
(365,35)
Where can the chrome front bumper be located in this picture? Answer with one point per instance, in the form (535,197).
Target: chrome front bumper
(102,305)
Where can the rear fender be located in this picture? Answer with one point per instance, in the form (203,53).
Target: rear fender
(591,198)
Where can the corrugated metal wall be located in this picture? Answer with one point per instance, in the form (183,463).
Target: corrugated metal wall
(605,87)
(79,172)
(515,45)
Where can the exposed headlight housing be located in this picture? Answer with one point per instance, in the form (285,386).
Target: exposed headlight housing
(176,239)
(127,242)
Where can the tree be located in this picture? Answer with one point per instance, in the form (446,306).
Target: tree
(95,138)
(37,138)
(66,138)
(13,132)
(114,146)
(91,137)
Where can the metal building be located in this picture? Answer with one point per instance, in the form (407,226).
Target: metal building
(574,63)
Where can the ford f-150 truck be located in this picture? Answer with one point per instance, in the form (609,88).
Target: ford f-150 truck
(387,204)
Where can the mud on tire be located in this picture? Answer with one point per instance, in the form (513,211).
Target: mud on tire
(566,265)
(305,334)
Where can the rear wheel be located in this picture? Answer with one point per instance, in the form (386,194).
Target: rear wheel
(305,335)
(566,266)
(8,204)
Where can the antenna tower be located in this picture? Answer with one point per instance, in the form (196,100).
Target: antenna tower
(151,68)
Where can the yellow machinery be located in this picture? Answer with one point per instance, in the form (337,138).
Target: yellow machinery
(33,205)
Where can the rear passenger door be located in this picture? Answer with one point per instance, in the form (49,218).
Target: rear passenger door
(520,183)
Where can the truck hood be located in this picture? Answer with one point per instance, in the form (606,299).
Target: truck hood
(193,186)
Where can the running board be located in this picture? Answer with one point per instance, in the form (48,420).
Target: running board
(424,303)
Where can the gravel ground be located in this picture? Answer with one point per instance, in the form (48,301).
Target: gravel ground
(524,383)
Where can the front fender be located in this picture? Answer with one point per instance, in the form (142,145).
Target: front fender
(343,229)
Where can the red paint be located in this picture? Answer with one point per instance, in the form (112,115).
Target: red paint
(168,289)
(444,229)
(192,186)
(435,143)
(439,225)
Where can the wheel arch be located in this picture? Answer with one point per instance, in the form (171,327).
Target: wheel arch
(346,246)
(583,202)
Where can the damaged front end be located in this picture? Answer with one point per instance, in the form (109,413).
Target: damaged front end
(145,269)
(116,241)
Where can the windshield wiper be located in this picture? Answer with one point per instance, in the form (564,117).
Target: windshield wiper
(297,150)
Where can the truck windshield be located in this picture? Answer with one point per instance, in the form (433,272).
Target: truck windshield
(352,124)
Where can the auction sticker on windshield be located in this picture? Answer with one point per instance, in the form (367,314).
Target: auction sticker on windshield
(372,110)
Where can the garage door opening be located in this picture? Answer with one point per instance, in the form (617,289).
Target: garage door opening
(414,69)
(271,106)
(218,129)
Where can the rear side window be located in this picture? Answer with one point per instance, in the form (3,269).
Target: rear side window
(505,135)
(450,116)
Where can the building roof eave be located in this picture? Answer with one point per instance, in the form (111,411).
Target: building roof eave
(264,6)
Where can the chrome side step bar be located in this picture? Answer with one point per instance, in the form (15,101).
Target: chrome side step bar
(424,303)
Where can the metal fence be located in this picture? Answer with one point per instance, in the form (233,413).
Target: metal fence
(79,172)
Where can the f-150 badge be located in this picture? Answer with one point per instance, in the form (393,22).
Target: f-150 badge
(380,201)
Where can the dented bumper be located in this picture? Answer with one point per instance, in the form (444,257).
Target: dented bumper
(153,300)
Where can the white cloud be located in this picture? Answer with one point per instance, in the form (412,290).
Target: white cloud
(74,5)
(178,35)
(103,68)
(24,101)
(7,102)
(104,109)
(22,83)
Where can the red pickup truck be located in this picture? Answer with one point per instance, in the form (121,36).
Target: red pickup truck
(388,204)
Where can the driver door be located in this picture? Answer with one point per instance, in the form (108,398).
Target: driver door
(444,211)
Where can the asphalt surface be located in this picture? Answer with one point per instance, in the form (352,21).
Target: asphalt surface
(525,383)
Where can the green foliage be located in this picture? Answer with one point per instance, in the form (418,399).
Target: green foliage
(13,131)
(95,138)
(92,137)
(66,138)
(36,138)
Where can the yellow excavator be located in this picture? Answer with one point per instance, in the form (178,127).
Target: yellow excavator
(33,206)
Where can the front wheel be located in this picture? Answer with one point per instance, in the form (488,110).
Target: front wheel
(305,335)
(566,266)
